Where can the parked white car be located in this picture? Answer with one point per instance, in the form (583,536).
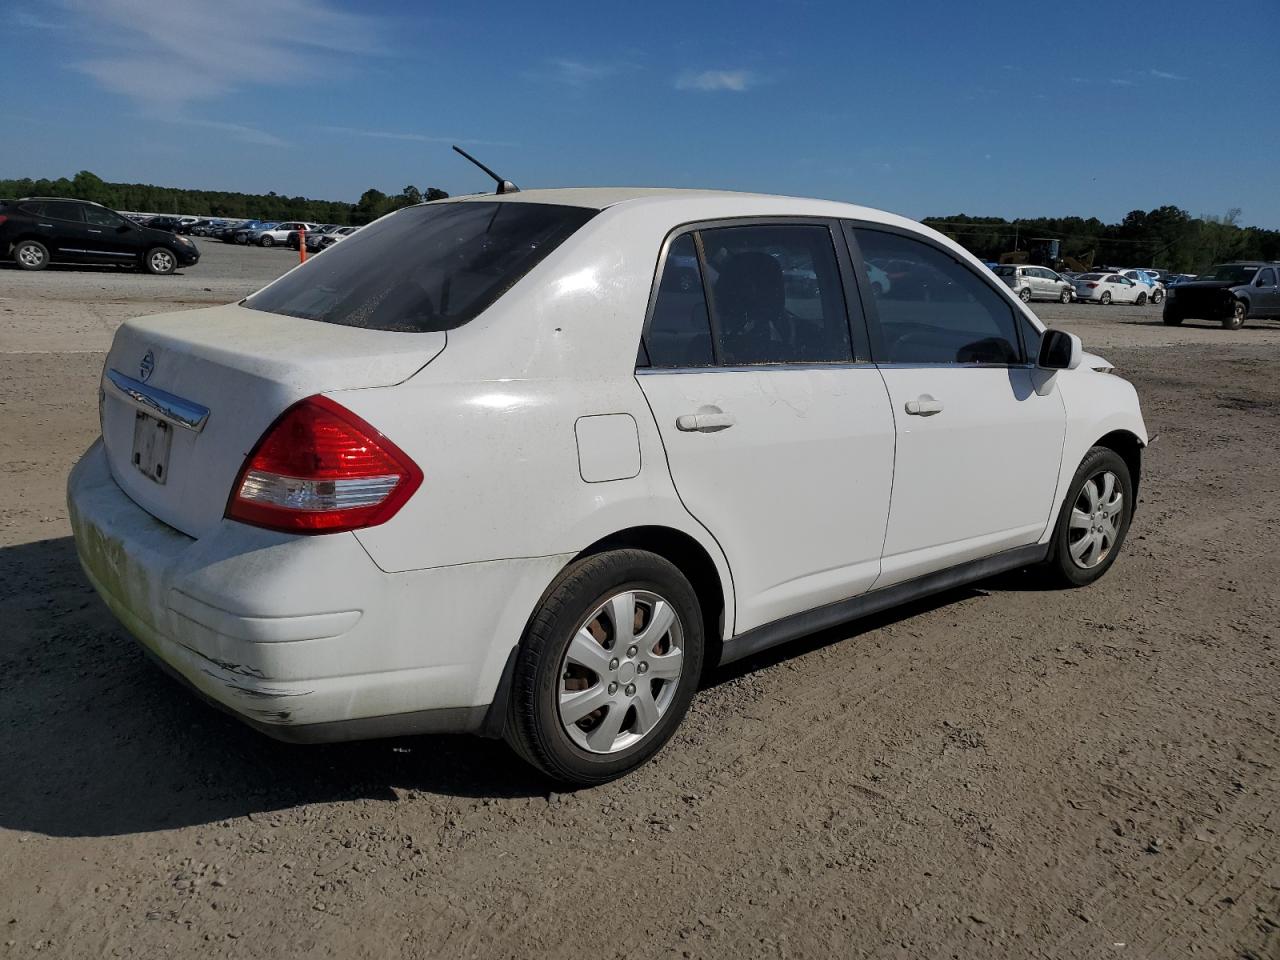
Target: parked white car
(1106,288)
(280,232)
(1154,288)
(502,478)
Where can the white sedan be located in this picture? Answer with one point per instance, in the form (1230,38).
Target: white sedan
(481,467)
(1108,288)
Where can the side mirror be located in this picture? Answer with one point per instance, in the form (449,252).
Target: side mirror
(1059,350)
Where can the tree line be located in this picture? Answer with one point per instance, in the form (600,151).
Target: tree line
(148,198)
(1167,238)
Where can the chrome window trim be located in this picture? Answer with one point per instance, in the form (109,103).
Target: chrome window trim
(159,403)
(843,365)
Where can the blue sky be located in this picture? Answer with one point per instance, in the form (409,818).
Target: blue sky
(924,108)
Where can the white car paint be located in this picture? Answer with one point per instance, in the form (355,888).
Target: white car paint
(537,438)
(1155,289)
(1108,288)
(280,232)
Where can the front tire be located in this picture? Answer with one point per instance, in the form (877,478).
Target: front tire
(31,255)
(266,242)
(1171,319)
(1064,296)
(1142,300)
(1025,294)
(160,261)
(607,669)
(1105,299)
(1157,297)
(1094,520)
(1239,314)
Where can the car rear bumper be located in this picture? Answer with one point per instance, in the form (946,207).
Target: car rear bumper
(305,638)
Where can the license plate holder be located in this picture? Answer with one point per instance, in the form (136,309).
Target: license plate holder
(152,439)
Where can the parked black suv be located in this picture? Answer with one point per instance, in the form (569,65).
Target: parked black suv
(37,231)
(1231,293)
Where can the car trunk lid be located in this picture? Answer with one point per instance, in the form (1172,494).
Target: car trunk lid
(186,396)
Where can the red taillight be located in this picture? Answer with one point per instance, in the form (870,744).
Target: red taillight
(321,469)
(3,218)
(1090,285)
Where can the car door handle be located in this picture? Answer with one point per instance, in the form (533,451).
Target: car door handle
(924,406)
(704,422)
(95,231)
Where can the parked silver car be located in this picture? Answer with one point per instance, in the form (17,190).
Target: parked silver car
(1035,283)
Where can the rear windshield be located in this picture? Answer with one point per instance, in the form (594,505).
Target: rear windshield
(424,268)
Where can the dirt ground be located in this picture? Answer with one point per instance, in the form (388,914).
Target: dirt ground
(998,772)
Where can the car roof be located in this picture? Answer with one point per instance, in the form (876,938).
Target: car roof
(690,204)
(66,199)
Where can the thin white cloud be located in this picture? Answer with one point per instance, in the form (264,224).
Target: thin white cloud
(735,81)
(167,55)
(412,137)
(1119,82)
(577,73)
(1164,75)
(240,131)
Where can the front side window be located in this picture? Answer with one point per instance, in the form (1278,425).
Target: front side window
(102,218)
(423,268)
(776,295)
(1267,278)
(935,310)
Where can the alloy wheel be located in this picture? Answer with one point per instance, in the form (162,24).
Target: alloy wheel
(1096,519)
(162,261)
(620,672)
(31,256)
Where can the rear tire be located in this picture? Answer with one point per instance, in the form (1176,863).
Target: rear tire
(31,255)
(1093,522)
(573,647)
(1239,314)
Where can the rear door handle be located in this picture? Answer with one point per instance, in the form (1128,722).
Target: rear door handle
(95,231)
(704,422)
(924,406)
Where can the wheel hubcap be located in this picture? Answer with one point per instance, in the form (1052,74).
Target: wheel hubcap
(161,261)
(31,256)
(1095,520)
(620,672)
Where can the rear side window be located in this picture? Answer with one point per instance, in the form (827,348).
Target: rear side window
(932,308)
(425,268)
(61,210)
(776,295)
(680,331)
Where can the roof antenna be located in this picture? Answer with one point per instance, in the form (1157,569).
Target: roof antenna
(504,186)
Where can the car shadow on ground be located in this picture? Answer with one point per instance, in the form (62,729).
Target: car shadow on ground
(97,741)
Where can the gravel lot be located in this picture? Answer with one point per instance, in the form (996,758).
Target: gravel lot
(1000,771)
